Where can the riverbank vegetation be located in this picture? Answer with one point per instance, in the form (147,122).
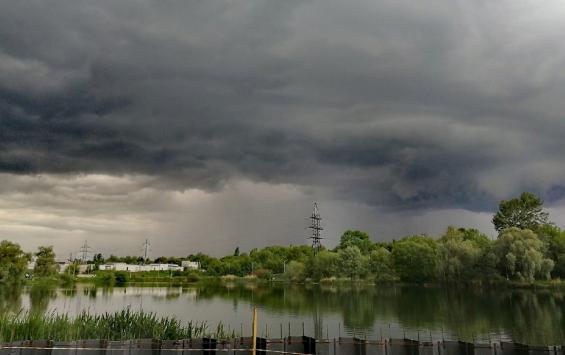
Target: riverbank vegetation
(109,326)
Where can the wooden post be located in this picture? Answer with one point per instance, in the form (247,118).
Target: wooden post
(254,335)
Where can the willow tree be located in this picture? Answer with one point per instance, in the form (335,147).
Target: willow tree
(520,255)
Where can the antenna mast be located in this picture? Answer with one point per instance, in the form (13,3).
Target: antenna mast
(316,228)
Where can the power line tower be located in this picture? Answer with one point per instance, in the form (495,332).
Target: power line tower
(146,247)
(316,228)
(85,250)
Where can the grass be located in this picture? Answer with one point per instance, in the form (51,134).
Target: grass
(109,326)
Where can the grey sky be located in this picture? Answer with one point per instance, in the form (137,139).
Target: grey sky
(204,125)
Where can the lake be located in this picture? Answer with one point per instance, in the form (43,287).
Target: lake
(526,316)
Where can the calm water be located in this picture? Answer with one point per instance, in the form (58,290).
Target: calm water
(534,317)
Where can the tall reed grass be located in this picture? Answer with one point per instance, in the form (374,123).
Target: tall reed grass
(120,325)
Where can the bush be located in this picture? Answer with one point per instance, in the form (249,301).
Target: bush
(264,274)
(66,279)
(192,277)
(121,278)
(108,278)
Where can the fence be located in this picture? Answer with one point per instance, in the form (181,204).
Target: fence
(288,345)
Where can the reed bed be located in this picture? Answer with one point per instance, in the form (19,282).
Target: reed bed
(120,325)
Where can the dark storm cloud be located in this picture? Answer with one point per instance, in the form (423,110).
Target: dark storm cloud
(391,103)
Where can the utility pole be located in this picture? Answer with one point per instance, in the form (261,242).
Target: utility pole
(316,228)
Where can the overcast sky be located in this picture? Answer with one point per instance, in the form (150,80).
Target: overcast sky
(206,125)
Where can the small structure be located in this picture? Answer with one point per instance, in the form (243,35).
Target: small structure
(106,267)
(190,265)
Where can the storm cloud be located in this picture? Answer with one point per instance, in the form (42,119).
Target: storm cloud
(401,108)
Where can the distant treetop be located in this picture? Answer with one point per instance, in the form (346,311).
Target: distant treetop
(523,212)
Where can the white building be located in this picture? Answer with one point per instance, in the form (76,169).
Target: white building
(139,268)
(106,267)
(192,265)
(31,265)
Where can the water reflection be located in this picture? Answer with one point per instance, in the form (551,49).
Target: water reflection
(535,317)
(529,316)
(40,296)
(10,298)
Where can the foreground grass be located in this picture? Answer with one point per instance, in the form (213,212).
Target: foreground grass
(110,326)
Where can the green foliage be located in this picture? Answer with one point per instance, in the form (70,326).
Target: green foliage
(459,251)
(45,264)
(352,262)
(121,278)
(264,274)
(523,212)
(415,259)
(356,238)
(296,271)
(324,264)
(111,326)
(13,262)
(520,255)
(108,278)
(474,236)
(192,277)
(559,268)
(381,265)
(554,240)
(66,279)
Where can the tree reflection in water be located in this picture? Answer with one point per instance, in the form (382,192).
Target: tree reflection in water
(529,316)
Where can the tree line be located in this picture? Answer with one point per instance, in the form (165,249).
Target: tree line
(528,247)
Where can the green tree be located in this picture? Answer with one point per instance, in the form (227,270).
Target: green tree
(296,271)
(236,252)
(355,238)
(520,255)
(459,251)
(13,262)
(415,259)
(351,261)
(97,260)
(457,259)
(523,212)
(381,265)
(554,239)
(45,264)
(323,264)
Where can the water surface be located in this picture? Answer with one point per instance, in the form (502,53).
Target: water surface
(527,316)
